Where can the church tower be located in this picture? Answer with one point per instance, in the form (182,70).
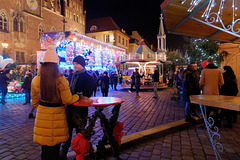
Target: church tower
(161,37)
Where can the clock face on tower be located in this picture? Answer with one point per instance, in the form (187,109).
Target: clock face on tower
(33,7)
(32,4)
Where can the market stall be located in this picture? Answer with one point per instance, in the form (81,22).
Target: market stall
(98,55)
(143,58)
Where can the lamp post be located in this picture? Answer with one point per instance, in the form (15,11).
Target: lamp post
(5,46)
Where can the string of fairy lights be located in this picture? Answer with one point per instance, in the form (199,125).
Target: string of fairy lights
(211,4)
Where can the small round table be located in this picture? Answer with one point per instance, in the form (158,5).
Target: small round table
(100,102)
(108,124)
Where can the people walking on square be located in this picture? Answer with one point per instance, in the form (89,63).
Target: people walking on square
(4,81)
(138,82)
(104,84)
(49,92)
(27,86)
(155,81)
(191,87)
(229,88)
(211,80)
(83,84)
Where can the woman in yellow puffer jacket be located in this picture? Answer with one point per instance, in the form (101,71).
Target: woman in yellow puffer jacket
(50,92)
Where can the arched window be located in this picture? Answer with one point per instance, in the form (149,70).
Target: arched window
(15,24)
(21,25)
(40,29)
(93,28)
(3,21)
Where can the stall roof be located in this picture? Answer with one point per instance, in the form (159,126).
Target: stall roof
(179,21)
(58,37)
(142,48)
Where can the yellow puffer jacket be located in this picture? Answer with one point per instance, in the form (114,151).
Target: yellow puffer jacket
(51,123)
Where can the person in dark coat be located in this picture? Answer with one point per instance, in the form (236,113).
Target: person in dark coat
(115,80)
(138,82)
(191,87)
(104,84)
(111,79)
(155,77)
(120,77)
(4,81)
(132,80)
(27,86)
(229,88)
(69,78)
(95,79)
(81,84)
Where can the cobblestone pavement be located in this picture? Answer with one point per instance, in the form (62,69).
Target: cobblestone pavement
(189,144)
(138,114)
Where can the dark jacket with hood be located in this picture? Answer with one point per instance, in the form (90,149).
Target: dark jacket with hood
(27,81)
(83,83)
(4,79)
(229,88)
(156,76)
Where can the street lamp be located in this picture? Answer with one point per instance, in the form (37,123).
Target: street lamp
(5,46)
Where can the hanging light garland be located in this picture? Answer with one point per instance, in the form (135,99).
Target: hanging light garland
(208,15)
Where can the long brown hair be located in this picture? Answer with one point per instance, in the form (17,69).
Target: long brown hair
(48,81)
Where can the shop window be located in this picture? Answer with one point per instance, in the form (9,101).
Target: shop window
(40,30)
(15,24)
(107,38)
(20,57)
(80,20)
(21,26)
(68,3)
(3,21)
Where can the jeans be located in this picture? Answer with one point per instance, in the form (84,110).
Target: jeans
(155,87)
(50,152)
(137,88)
(73,116)
(27,95)
(4,93)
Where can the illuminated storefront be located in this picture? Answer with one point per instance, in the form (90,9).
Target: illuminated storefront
(98,55)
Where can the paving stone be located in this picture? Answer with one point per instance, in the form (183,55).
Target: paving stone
(154,157)
(134,154)
(176,158)
(187,157)
(146,154)
(8,157)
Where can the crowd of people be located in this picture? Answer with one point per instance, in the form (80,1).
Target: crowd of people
(212,81)
(50,90)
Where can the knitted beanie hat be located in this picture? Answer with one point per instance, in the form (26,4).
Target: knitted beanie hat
(51,55)
(80,60)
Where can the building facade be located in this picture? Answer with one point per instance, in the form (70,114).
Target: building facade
(106,30)
(23,21)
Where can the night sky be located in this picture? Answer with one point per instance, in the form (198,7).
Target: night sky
(140,15)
